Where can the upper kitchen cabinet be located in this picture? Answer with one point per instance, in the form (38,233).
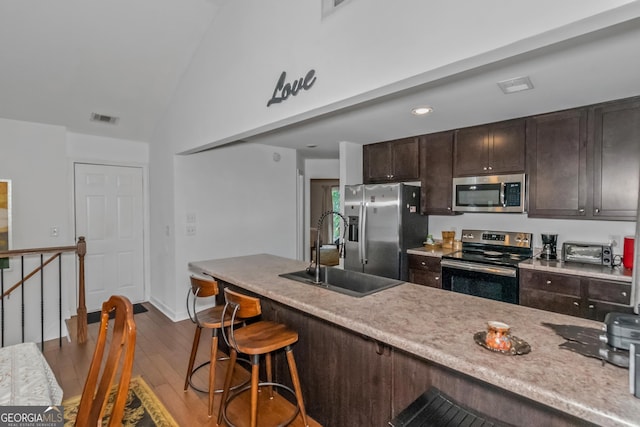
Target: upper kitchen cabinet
(436,173)
(391,161)
(557,164)
(491,149)
(616,159)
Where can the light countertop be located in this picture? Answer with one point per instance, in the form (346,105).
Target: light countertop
(439,325)
(576,269)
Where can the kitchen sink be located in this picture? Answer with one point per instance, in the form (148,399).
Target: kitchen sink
(344,281)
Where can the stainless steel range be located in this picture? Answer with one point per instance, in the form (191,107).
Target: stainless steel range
(487,265)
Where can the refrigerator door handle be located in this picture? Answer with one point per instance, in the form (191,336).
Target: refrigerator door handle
(363,235)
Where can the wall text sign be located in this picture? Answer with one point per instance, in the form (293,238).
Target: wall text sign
(284,90)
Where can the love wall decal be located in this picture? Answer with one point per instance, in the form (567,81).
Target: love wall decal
(283,89)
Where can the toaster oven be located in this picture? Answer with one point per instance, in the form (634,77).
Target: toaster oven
(588,253)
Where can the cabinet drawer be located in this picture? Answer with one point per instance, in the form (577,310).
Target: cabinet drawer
(550,282)
(428,263)
(615,292)
(426,278)
(551,301)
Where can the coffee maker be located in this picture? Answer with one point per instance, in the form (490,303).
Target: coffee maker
(549,246)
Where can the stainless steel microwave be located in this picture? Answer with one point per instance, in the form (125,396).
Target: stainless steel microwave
(495,193)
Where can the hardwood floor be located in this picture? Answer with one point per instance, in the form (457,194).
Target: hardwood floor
(161,357)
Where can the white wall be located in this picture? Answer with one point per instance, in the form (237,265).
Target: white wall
(357,52)
(583,231)
(39,158)
(244,203)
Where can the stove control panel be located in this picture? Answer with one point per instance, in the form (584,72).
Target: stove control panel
(497,238)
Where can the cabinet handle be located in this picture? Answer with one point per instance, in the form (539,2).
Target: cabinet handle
(576,303)
(623,293)
(423,263)
(597,210)
(391,176)
(448,208)
(437,277)
(581,210)
(548,282)
(490,168)
(484,168)
(591,306)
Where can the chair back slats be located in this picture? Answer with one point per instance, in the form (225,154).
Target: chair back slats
(248,306)
(203,288)
(119,359)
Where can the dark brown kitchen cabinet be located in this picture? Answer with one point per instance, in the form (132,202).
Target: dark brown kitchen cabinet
(425,270)
(552,292)
(578,296)
(605,296)
(495,148)
(344,379)
(557,164)
(616,159)
(436,173)
(391,161)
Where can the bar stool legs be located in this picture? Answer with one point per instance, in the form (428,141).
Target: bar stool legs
(256,384)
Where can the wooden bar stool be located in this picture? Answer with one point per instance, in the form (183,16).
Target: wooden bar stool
(211,318)
(256,339)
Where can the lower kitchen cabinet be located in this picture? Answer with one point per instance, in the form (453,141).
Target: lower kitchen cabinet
(573,295)
(349,380)
(425,270)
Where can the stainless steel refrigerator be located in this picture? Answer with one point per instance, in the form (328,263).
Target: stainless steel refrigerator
(384,221)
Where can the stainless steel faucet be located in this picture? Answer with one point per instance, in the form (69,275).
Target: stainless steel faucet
(340,247)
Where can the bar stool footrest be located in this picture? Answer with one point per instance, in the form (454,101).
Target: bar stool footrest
(219,390)
(261,384)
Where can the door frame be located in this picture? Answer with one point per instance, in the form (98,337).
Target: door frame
(72,295)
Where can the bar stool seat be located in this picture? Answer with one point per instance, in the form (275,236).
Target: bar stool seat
(257,339)
(212,318)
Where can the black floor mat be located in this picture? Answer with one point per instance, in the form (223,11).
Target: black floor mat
(94,316)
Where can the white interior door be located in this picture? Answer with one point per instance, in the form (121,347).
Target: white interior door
(109,213)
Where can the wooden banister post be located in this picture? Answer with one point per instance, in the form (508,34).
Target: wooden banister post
(82,308)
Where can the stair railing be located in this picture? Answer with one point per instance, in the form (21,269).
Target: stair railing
(80,249)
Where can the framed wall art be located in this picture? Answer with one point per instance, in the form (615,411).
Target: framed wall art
(5,219)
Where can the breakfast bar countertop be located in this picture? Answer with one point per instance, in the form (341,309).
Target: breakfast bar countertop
(432,324)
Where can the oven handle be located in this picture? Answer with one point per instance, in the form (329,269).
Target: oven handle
(480,268)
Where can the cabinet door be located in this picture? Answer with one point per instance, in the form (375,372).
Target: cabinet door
(436,173)
(616,160)
(470,155)
(405,159)
(345,382)
(557,164)
(552,292)
(507,147)
(606,296)
(376,163)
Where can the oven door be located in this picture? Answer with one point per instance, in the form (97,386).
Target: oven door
(482,280)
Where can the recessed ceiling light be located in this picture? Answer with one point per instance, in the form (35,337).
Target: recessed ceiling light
(517,84)
(103,118)
(421,111)
(312,145)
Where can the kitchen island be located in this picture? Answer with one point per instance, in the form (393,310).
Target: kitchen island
(436,327)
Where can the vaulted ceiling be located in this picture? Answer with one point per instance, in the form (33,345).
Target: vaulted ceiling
(63,60)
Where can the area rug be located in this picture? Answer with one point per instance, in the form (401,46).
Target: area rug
(94,316)
(143,409)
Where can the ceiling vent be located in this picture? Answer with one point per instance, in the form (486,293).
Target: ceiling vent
(103,118)
(517,84)
(329,6)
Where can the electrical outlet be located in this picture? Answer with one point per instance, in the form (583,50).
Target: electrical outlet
(191,230)
(614,240)
(54,232)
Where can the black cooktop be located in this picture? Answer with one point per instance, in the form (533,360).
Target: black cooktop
(489,256)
